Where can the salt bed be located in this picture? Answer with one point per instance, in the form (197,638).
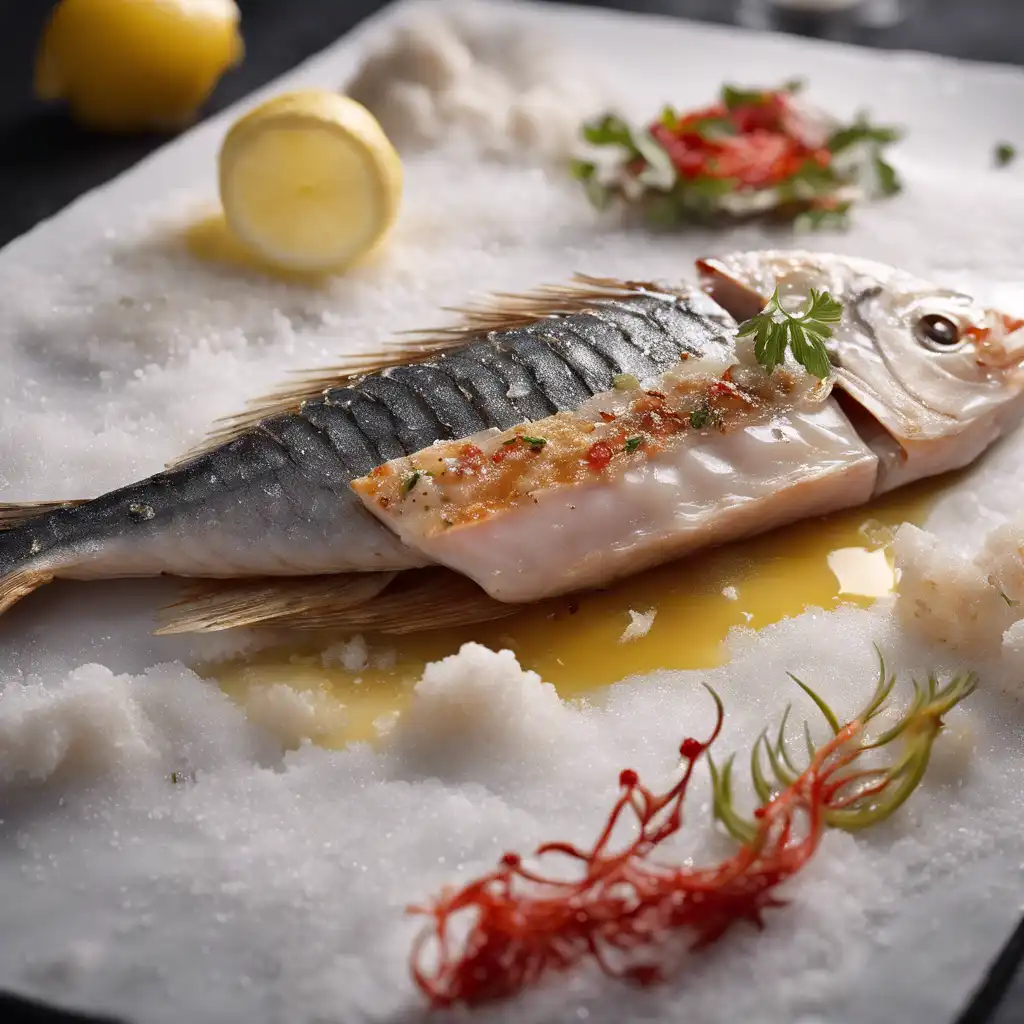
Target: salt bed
(269,884)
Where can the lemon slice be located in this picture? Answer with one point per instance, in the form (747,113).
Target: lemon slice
(309,181)
(126,65)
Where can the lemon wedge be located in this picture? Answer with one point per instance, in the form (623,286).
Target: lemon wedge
(309,181)
(128,65)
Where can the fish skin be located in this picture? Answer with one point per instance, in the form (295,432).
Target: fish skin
(277,500)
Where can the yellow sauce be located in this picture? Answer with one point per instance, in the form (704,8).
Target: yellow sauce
(816,563)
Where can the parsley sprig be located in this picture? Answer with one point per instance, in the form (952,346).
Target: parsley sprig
(804,333)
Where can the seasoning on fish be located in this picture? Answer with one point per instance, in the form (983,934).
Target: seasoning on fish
(639,423)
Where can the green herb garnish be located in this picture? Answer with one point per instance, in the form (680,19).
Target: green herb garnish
(861,131)
(734,96)
(632,443)
(625,382)
(805,333)
(534,442)
(889,183)
(582,170)
(700,417)
(410,481)
(610,130)
(1005,154)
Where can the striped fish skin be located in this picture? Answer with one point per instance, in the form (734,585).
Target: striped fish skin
(277,500)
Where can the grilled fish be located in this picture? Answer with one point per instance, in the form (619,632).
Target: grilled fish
(550,442)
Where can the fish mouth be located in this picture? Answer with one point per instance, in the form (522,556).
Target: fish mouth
(739,300)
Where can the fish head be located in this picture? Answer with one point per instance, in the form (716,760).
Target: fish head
(929,376)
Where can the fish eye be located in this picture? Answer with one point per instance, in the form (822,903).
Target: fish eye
(938,333)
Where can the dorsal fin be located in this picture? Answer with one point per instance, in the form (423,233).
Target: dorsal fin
(417,600)
(503,311)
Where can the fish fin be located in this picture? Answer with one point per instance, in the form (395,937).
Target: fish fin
(19,583)
(15,513)
(214,605)
(504,311)
(409,602)
(508,310)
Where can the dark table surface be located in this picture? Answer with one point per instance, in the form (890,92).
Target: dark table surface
(46,162)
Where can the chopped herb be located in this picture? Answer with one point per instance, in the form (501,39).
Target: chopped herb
(1005,154)
(733,97)
(610,130)
(632,443)
(625,382)
(1009,600)
(511,441)
(700,417)
(794,85)
(861,131)
(534,442)
(582,170)
(889,183)
(773,328)
(600,196)
(410,481)
(668,117)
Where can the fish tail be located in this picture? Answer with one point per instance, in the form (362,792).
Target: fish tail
(20,582)
(21,568)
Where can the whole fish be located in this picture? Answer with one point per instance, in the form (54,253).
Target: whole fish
(551,442)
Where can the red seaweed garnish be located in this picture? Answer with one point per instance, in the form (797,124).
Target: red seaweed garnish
(524,924)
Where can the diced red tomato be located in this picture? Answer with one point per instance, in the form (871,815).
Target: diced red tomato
(762,152)
(599,455)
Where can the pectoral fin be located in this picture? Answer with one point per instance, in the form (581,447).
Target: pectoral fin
(393,603)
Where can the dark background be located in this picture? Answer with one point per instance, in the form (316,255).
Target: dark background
(45,162)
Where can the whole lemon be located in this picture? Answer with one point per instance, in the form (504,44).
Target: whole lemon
(129,65)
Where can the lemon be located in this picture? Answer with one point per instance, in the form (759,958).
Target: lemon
(127,65)
(309,181)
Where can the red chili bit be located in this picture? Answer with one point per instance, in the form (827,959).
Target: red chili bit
(599,455)
(608,417)
(470,457)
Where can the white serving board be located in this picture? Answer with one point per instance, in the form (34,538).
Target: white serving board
(255,896)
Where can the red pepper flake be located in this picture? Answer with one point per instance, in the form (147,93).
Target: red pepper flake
(599,455)
(470,457)
(608,417)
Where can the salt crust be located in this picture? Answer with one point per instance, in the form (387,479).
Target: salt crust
(268,883)
(446,76)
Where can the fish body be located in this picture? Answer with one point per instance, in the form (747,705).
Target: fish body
(350,474)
